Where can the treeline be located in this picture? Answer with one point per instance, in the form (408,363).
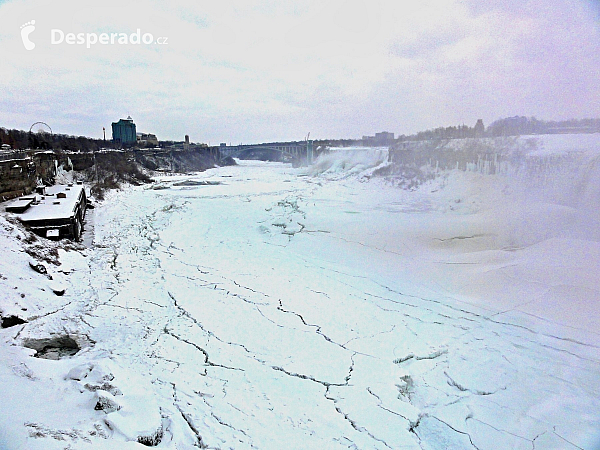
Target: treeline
(454,132)
(520,125)
(510,126)
(19,139)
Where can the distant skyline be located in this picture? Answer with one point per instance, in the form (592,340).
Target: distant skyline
(247,71)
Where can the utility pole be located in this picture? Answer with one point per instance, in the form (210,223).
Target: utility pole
(95,165)
(309,150)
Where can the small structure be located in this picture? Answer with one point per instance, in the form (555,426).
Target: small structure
(147,139)
(124,132)
(20,206)
(186,143)
(57,214)
(479,128)
(380,139)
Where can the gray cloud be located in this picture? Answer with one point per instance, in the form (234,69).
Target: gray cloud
(256,71)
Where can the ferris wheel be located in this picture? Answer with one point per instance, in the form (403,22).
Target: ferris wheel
(40,128)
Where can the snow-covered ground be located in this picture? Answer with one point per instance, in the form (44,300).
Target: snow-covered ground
(319,308)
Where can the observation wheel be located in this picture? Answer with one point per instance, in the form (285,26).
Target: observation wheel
(40,128)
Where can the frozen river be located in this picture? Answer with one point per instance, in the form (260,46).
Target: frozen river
(273,310)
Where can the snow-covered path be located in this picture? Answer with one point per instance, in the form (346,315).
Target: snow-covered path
(275,310)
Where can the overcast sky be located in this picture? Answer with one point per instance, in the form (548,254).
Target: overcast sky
(257,71)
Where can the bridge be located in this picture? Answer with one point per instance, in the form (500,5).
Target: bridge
(290,152)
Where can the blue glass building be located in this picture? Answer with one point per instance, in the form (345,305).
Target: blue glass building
(124,131)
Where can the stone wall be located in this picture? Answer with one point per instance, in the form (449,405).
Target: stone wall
(17,177)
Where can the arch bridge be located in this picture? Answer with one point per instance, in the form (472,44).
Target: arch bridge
(289,152)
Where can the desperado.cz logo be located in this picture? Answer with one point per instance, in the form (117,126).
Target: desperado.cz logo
(58,37)
(26,29)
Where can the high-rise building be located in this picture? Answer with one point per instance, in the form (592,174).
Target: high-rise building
(124,131)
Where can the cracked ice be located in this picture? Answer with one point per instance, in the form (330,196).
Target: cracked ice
(258,313)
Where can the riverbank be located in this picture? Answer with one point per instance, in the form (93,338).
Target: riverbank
(259,306)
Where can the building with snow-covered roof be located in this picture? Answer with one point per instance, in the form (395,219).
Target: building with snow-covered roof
(57,213)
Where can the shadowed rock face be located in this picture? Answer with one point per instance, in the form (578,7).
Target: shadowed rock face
(53,348)
(228,161)
(195,160)
(197,183)
(152,440)
(11,321)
